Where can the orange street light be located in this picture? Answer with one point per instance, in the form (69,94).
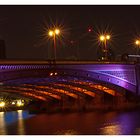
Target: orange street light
(104,38)
(137,42)
(53,33)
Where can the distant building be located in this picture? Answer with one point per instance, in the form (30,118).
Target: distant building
(2,49)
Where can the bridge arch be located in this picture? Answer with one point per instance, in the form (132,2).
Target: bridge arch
(112,76)
(91,91)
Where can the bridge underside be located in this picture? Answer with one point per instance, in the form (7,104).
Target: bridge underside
(64,82)
(68,83)
(54,86)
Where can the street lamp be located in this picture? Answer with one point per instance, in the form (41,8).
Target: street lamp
(137,42)
(104,39)
(53,33)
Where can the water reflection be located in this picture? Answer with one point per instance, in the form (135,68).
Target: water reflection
(2,124)
(111,129)
(127,121)
(13,122)
(91,123)
(21,128)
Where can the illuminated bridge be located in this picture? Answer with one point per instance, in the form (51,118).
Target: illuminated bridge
(49,80)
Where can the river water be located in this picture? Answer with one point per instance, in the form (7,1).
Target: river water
(90,123)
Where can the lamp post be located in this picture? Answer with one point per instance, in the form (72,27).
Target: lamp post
(137,42)
(104,39)
(54,33)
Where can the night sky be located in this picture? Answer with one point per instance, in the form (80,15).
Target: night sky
(22,28)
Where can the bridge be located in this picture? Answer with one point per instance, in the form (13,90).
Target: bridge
(50,80)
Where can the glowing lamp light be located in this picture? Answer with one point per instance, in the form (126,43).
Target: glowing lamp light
(13,103)
(102,38)
(2,104)
(57,31)
(137,42)
(107,37)
(19,103)
(51,33)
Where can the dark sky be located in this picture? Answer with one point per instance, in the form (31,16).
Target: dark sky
(22,28)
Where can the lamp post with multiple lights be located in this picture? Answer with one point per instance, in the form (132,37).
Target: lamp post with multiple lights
(54,33)
(104,39)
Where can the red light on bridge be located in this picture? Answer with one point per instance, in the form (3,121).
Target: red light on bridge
(55,73)
(90,29)
(51,74)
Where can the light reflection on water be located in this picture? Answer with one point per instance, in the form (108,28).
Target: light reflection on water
(20,123)
(105,123)
(2,124)
(111,129)
(15,118)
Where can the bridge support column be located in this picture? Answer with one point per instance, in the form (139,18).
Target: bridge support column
(80,103)
(65,103)
(119,100)
(97,102)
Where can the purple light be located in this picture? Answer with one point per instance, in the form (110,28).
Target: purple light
(118,74)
